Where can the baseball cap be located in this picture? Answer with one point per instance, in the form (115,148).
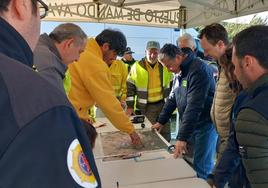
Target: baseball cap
(128,51)
(153,44)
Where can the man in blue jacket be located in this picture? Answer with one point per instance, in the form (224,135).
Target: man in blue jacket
(42,141)
(193,98)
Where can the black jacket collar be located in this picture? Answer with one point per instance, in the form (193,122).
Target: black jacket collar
(13,45)
(129,62)
(187,63)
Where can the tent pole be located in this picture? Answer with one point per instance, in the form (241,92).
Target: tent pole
(182,17)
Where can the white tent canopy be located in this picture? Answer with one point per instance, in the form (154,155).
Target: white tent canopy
(158,13)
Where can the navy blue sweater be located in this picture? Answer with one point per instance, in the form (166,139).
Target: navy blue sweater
(193,97)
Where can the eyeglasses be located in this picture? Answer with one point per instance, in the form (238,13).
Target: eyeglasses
(43,9)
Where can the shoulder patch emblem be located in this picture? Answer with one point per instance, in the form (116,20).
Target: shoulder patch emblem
(184,83)
(79,167)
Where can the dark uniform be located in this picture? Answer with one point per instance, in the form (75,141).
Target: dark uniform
(244,161)
(129,63)
(42,141)
(193,98)
(230,168)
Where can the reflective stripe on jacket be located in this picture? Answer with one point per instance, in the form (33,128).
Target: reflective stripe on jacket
(137,84)
(155,93)
(119,79)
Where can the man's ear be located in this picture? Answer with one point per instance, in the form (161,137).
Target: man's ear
(178,57)
(67,43)
(221,44)
(249,61)
(105,47)
(21,8)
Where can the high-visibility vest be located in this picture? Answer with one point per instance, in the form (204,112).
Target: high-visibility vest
(155,93)
(67,82)
(139,77)
(119,79)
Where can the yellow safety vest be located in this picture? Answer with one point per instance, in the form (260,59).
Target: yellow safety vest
(139,77)
(119,79)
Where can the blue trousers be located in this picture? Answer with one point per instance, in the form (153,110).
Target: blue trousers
(204,140)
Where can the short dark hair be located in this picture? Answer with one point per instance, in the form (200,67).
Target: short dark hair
(67,31)
(170,51)
(114,38)
(253,41)
(4,6)
(214,33)
(90,131)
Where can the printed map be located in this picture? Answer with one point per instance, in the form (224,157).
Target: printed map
(118,144)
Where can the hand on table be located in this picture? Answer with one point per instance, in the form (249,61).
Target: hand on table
(180,149)
(210,180)
(135,139)
(123,104)
(157,126)
(130,111)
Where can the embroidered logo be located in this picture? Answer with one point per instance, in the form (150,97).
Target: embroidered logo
(79,167)
(184,83)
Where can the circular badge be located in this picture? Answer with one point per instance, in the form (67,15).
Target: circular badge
(79,167)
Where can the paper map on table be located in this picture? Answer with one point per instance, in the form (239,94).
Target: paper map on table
(117,144)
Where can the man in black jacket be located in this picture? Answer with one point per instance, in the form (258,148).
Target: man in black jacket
(193,98)
(42,141)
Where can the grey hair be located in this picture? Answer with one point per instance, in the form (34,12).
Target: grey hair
(67,31)
(190,42)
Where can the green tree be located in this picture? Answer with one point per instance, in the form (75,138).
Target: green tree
(234,28)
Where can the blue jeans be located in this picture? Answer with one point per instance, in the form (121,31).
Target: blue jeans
(204,140)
